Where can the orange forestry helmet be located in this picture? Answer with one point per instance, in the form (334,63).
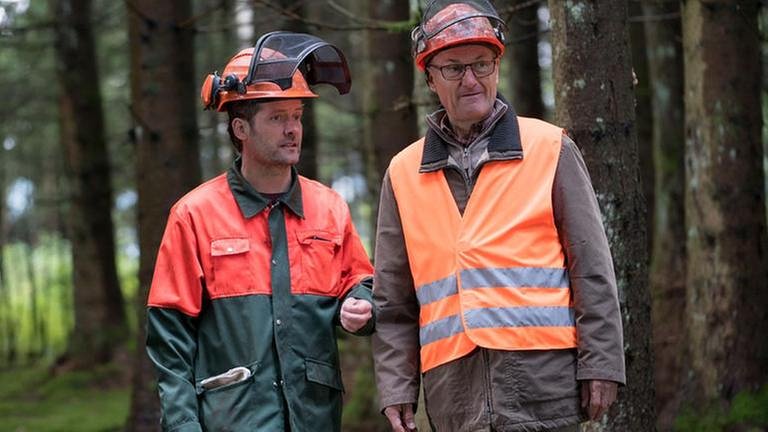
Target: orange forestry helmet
(447,23)
(281,65)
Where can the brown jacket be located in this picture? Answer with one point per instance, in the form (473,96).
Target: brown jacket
(506,390)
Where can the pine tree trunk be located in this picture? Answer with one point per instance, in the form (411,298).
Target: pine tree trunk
(668,260)
(643,116)
(390,121)
(522,60)
(164,106)
(100,322)
(595,103)
(724,199)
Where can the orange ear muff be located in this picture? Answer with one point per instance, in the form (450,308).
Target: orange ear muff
(210,91)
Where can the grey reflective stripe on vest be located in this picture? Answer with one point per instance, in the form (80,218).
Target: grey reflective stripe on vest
(534,316)
(515,277)
(440,329)
(437,290)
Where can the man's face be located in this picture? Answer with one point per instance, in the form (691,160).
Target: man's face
(470,99)
(273,136)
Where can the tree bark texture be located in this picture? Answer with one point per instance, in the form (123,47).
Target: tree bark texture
(668,258)
(390,111)
(522,60)
(390,115)
(643,115)
(727,306)
(595,103)
(100,321)
(164,105)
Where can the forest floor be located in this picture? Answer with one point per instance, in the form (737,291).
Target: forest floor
(34,399)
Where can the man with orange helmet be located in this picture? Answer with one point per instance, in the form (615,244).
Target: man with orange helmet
(501,297)
(259,265)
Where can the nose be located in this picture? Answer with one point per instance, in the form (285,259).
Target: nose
(468,79)
(292,128)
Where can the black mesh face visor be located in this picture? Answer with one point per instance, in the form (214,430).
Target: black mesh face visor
(277,55)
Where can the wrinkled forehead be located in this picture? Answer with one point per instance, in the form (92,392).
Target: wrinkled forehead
(464,54)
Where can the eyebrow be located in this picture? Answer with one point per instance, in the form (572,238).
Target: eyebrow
(287,110)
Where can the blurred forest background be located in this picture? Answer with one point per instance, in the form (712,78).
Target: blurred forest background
(101,130)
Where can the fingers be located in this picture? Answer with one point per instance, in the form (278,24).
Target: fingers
(584,395)
(410,422)
(355,314)
(597,397)
(393,415)
(356,306)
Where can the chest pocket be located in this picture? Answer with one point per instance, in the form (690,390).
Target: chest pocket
(319,261)
(231,262)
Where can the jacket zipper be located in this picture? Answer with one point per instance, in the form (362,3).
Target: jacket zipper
(488,387)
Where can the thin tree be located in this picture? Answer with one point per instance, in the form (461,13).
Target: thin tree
(100,321)
(164,107)
(522,59)
(665,64)
(595,103)
(724,200)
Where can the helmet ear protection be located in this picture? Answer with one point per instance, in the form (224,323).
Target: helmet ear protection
(213,85)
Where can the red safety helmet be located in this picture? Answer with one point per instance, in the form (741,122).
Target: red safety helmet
(287,64)
(448,23)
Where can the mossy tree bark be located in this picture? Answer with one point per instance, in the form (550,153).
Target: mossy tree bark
(595,103)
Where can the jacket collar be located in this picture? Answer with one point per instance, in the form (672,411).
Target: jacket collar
(504,142)
(251,202)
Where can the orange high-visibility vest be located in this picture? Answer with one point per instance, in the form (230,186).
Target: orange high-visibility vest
(495,276)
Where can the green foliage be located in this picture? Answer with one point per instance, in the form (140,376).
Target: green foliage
(36,314)
(747,412)
(32,399)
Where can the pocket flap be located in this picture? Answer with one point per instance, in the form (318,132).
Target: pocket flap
(323,373)
(229,246)
(318,236)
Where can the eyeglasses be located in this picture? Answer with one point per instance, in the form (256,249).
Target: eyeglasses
(455,71)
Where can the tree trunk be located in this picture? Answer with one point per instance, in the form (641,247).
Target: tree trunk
(595,103)
(724,199)
(390,116)
(307,165)
(214,49)
(164,106)
(100,322)
(643,115)
(522,60)
(668,261)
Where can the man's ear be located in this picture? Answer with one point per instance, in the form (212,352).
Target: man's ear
(241,128)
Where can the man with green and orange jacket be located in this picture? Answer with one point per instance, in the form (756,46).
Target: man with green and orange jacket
(258,265)
(499,296)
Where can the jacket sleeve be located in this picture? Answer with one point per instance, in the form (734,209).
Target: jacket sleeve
(174,303)
(590,269)
(356,273)
(396,341)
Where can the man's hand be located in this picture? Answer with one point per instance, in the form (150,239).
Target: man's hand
(401,417)
(355,313)
(597,396)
